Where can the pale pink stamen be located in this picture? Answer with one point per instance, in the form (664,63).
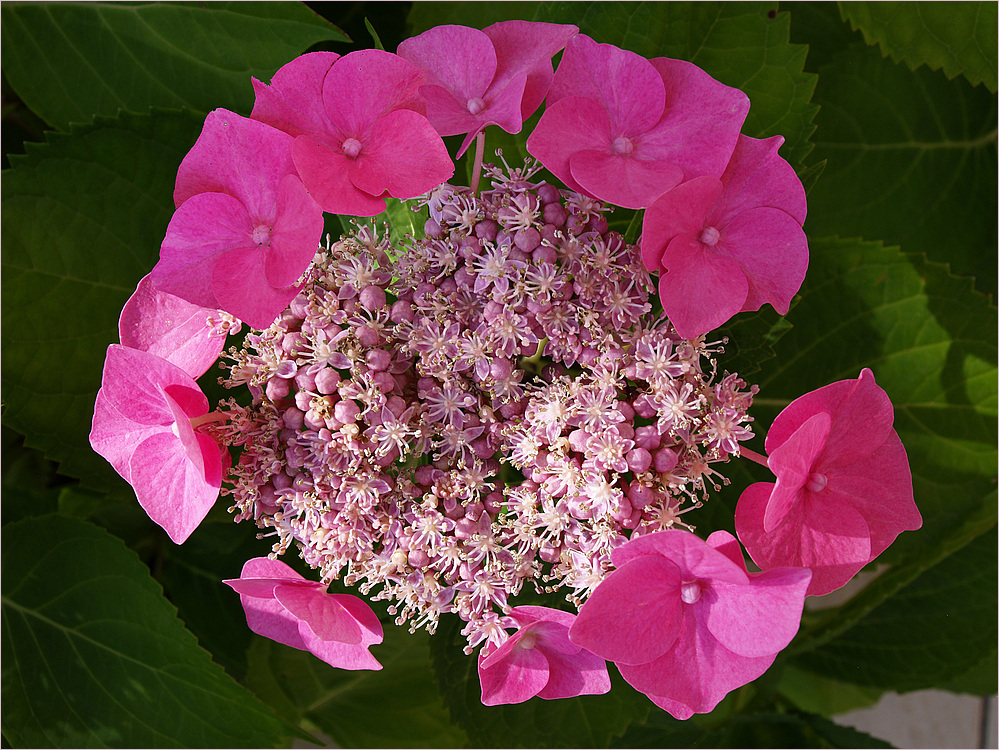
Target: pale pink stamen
(475,105)
(690,592)
(351,147)
(623,145)
(528,641)
(261,234)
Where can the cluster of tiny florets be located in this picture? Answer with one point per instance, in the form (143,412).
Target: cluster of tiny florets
(440,421)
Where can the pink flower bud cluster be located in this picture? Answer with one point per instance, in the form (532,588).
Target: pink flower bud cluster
(516,332)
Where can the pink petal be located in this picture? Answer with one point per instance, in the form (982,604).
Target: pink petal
(680,210)
(728,545)
(266,567)
(134,381)
(404,157)
(648,589)
(694,557)
(792,463)
(295,235)
(701,288)
(583,673)
(527,47)
(514,675)
(114,437)
(262,588)
(363,615)
(268,618)
(171,328)
(241,287)
(773,251)
(622,179)
(570,125)
(324,616)
(203,228)
(339,655)
(366,85)
(293,103)
(458,58)
(625,85)
(757,176)
(237,156)
(325,174)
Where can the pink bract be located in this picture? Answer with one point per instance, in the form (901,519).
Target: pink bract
(727,245)
(843,490)
(369,138)
(625,129)
(497,76)
(683,620)
(144,425)
(245,228)
(539,659)
(190,336)
(285,607)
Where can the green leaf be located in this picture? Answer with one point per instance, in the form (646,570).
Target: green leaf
(425,15)
(83,219)
(585,721)
(960,38)
(823,695)
(94,656)
(70,62)
(911,160)
(398,706)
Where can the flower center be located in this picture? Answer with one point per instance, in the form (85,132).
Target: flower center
(623,145)
(710,236)
(816,482)
(475,105)
(528,641)
(261,234)
(351,147)
(690,591)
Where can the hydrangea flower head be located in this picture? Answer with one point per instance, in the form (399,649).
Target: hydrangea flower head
(732,244)
(245,228)
(368,139)
(496,76)
(683,620)
(283,606)
(843,490)
(145,424)
(539,659)
(625,129)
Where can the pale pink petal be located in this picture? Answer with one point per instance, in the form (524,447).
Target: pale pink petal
(366,85)
(792,463)
(404,157)
(204,227)
(323,614)
(336,654)
(325,174)
(134,381)
(757,176)
(570,125)
(295,235)
(449,116)
(458,58)
(527,47)
(622,179)
(513,674)
(293,103)
(268,618)
(263,588)
(238,156)
(681,210)
(648,587)
(114,437)
(502,108)
(266,567)
(363,615)
(170,327)
(694,557)
(583,673)
(700,289)
(241,287)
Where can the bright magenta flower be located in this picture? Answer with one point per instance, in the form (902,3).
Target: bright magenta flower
(683,620)
(146,425)
(496,76)
(283,606)
(843,491)
(539,659)
(625,129)
(732,244)
(359,127)
(245,229)
(190,336)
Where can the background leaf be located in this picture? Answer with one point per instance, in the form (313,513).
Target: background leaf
(194,55)
(94,656)
(960,38)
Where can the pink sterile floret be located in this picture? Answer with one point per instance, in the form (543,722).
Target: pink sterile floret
(732,244)
(539,659)
(190,336)
(843,491)
(285,607)
(359,128)
(683,620)
(625,129)
(496,76)
(245,228)
(145,425)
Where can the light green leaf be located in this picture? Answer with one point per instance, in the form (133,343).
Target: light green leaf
(959,38)
(911,161)
(70,62)
(823,695)
(83,219)
(94,655)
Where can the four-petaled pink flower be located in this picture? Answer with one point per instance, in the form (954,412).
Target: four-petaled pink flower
(190,336)
(625,129)
(245,228)
(843,490)
(683,620)
(283,606)
(359,128)
(727,245)
(145,424)
(539,659)
(496,76)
